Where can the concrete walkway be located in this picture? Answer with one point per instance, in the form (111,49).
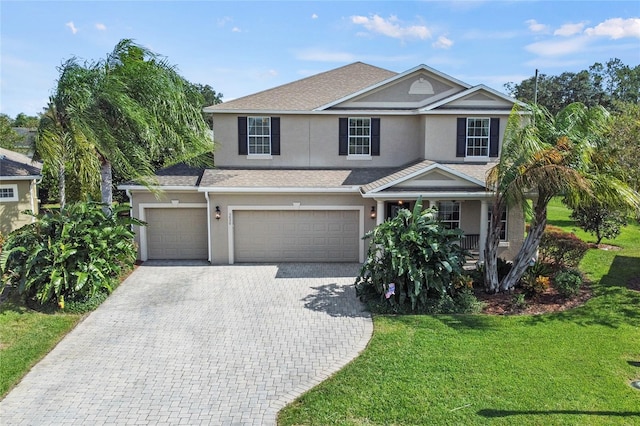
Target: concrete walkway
(198,344)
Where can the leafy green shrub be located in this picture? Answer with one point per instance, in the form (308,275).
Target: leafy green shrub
(560,248)
(70,254)
(568,282)
(413,254)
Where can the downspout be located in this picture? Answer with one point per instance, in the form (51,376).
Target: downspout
(209,254)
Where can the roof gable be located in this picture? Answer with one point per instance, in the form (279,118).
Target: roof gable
(411,89)
(309,93)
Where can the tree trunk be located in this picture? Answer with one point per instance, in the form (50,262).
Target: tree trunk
(106,183)
(529,248)
(491,281)
(62,190)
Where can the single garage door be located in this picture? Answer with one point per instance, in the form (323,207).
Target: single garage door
(296,236)
(177,233)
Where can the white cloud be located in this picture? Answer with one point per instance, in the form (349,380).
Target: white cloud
(101,27)
(72,27)
(314,16)
(616,28)
(536,27)
(567,30)
(442,43)
(236,30)
(392,27)
(558,47)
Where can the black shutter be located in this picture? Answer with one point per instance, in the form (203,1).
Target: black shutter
(375,136)
(461,139)
(494,135)
(343,136)
(275,135)
(242,136)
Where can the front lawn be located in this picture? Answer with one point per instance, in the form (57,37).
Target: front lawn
(568,368)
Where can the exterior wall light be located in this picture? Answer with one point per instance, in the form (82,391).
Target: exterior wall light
(373,212)
(218,213)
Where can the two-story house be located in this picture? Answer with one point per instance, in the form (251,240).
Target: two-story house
(304,170)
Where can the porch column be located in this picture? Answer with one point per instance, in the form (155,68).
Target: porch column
(484,224)
(380,212)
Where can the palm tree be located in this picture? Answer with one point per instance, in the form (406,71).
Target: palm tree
(544,156)
(134,111)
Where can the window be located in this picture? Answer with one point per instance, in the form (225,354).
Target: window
(359,136)
(259,135)
(477,137)
(8,193)
(449,214)
(503,221)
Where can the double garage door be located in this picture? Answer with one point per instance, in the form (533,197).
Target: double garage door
(177,233)
(296,236)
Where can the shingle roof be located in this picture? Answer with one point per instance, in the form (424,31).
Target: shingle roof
(311,92)
(14,164)
(290,178)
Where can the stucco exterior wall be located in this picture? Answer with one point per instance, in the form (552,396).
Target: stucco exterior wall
(11,216)
(312,141)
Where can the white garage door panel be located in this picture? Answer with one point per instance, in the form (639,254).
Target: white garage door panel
(296,236)
(177,233)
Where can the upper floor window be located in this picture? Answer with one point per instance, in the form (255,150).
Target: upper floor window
(449,214)
(359,137)
(8,193)
(478,138)
(503,223)
(259,136)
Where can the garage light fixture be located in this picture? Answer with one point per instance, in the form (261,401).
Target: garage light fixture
(373,212)
(218,213)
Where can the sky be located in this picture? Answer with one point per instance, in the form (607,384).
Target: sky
(243,47)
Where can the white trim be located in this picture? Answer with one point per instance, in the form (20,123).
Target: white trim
(275,190)
(14,188)
(293,207)
(144,250)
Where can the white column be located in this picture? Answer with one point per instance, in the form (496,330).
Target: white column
(380,212)
(484,220)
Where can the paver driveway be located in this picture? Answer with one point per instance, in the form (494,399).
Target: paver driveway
(198,344)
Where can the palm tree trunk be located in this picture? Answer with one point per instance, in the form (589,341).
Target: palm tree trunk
(529,248)
(106,183)
(62,192)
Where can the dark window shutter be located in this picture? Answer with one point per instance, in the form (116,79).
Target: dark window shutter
(375,136)
(461,138)
(242,136)
(494,135)
(275,135)
(343,136)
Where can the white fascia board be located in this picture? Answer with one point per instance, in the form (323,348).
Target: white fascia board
(278,190)
(30,177)
(157,188)
(396,77)
(456,195)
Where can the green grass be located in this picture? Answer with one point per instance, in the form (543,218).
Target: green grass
(25,337)
(568,368)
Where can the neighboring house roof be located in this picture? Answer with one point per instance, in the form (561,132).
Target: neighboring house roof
(14,165)
(311,92)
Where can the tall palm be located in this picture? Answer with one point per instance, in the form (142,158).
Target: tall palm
(544,156)
(135,112)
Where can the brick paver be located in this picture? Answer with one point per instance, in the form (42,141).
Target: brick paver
(198,344)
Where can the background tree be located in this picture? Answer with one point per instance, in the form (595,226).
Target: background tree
(8,137)
(134,111)
(548,156)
